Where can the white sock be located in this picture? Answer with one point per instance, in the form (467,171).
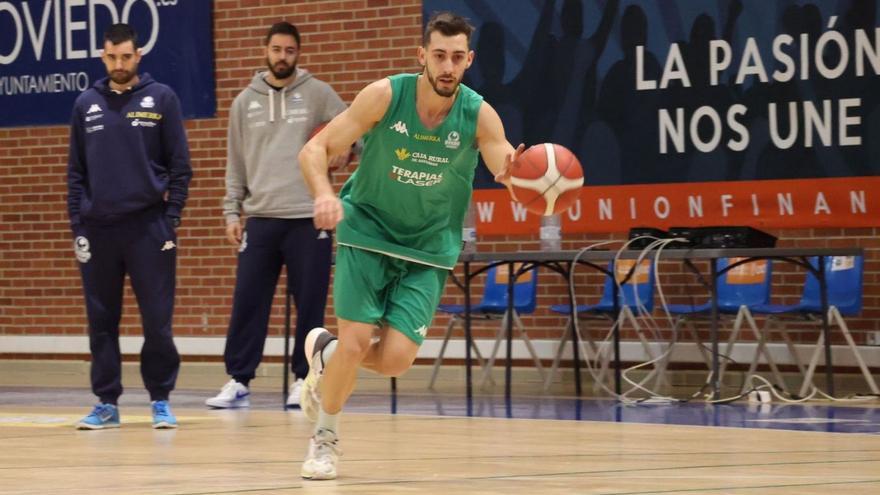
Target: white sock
(327,421)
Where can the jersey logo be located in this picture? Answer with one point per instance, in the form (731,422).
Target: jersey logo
(400,126)
(402,153)
(94,108)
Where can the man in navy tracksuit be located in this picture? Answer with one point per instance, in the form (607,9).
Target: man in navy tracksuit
(269,122)
(128,177)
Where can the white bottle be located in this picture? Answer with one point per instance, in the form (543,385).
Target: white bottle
(469,231)
(551,233)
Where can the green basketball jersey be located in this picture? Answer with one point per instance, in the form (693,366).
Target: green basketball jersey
(408,197)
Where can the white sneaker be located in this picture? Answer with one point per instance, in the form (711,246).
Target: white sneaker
(233,395)
(320,463)
(294,393)
(316,341)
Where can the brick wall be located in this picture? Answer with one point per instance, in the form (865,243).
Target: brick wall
(347,43)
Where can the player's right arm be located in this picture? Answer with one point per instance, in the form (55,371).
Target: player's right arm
(497,152)
(368,108)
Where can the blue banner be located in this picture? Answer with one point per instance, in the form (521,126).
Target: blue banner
(50,52)
(684,91)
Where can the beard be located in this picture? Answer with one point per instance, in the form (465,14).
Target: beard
(122,77)
(281,70)
(446,93)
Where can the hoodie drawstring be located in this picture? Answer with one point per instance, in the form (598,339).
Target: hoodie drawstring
(271,105)
(283,104)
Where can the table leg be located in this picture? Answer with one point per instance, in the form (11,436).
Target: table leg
(713,335)
(468,338)
(826,329)
(511,280)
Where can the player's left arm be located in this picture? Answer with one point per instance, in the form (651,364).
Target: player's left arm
(497,152)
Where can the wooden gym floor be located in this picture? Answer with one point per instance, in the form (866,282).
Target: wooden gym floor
(259,452)
(544,444)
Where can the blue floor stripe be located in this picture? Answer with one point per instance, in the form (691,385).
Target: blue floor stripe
(821,417)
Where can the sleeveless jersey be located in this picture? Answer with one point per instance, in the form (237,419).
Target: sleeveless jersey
(408,197)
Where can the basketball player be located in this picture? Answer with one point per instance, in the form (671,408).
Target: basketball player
(398,218)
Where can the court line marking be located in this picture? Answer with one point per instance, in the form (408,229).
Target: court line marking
(320,484)
(754,487)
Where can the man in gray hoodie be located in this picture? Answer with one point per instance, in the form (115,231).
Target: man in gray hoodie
(269,122)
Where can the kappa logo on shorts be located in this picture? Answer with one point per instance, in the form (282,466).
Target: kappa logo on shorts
(422,330)
(168,246)
(323,235)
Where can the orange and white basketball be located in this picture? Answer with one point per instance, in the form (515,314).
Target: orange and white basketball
(547,178)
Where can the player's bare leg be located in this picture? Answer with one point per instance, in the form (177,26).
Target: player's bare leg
(391,355)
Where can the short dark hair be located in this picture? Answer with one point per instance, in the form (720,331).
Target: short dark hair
(285,28)
(120,33)
(448,24)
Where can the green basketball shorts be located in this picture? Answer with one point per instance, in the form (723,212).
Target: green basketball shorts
(370,287)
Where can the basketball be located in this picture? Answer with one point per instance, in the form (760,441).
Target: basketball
(318,129)
(547,178)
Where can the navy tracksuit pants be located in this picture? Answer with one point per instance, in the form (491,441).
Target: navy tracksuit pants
(144,246)
(267,243)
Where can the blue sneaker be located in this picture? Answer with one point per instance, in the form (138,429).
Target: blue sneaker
(102,416)
(162,415)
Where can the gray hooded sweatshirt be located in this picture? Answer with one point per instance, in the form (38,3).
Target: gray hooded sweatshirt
(267,129)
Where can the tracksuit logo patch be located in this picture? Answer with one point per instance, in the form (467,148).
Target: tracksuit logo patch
(81,248)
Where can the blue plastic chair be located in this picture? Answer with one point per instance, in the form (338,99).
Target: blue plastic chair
(626,297)
(493,306)
(638,285)
(494,300)
(739,290)
(731,295)
(843,278)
